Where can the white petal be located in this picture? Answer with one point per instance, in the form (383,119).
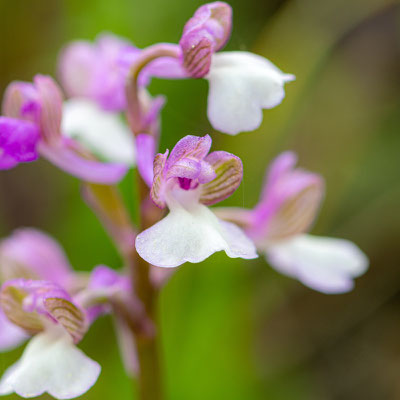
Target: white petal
(324,264)
(184,236)
(103,132)
(51,363)
(241,85)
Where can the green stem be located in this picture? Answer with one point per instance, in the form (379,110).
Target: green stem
(149,378)
(147,345)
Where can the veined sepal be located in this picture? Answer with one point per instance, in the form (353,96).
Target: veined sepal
(229,172)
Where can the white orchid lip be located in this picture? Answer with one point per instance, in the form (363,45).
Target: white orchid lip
(187,181)
(191,234)
(241,85)
(51,363)
(328,265)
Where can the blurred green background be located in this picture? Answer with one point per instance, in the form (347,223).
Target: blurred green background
(236,329)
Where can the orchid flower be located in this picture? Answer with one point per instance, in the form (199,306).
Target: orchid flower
(31,125)
(241,83)
(29,253)
(187,181)
(95,71)
(290,200)
(51,362)
(94,76)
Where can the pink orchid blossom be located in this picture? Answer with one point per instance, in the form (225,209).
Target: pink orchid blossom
(51,362)
(289,203)
(241,83)
(186,182)
(32,125)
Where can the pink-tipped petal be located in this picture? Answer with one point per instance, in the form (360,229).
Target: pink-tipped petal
(191,236)
(88,170)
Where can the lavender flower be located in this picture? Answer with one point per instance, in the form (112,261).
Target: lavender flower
(186,182)
(288,205)
(51,362)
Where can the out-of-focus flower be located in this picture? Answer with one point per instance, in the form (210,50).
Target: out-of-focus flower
(109,291)
(96,71)
(290,200)
(32,254)
(51,362)
(241,83)
(186,182)
(101,131)
(32,125)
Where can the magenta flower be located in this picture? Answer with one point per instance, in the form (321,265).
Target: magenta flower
(187,181)
(288,205)
(51,362)
(32,125)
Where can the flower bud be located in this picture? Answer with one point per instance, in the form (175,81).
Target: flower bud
(205,33)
